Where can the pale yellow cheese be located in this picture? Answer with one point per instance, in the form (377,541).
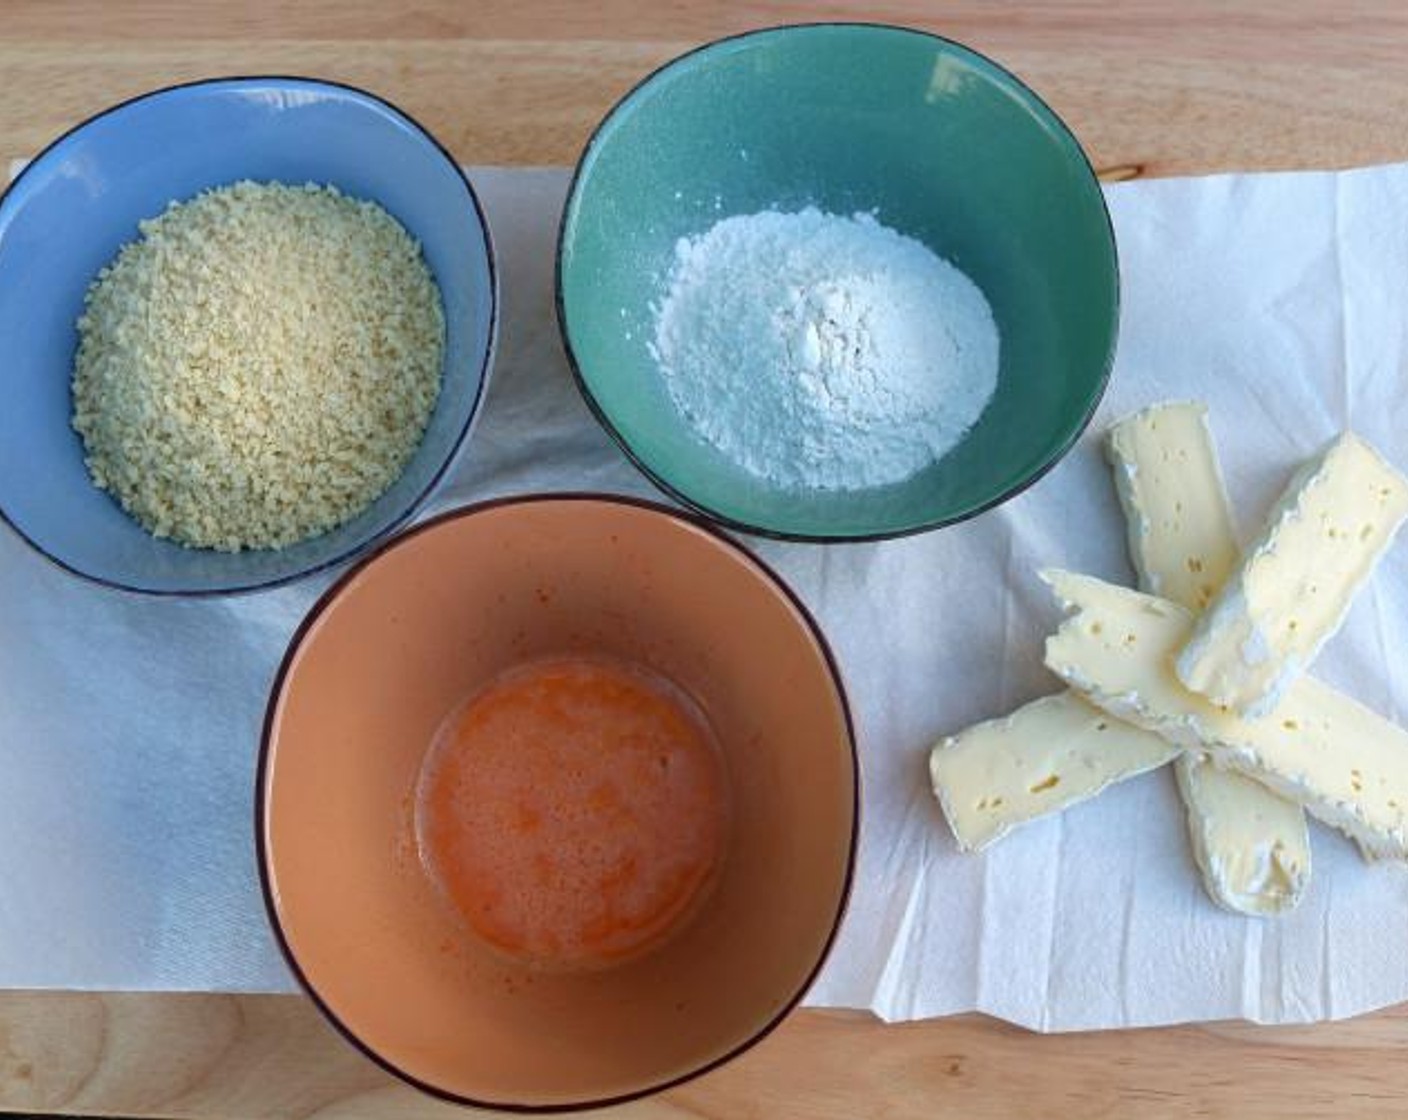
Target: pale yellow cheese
(1047,755)
(1293,590)
(1251,845)
(1345,764)
(1181,539)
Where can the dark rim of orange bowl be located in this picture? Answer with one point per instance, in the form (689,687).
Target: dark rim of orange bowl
(672,490)
(486,365)
(261,791)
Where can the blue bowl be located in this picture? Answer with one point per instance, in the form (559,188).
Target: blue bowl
(71,209)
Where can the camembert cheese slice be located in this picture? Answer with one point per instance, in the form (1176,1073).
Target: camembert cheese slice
(1047,755)
(1345,764)
(1181,539)
(1251,845)
(1293,589)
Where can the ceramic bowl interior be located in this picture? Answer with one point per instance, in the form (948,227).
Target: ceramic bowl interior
(68,213)
(397,645)
(941,144)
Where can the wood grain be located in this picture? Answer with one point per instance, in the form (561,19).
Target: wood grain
(271,1057)
(1153,87)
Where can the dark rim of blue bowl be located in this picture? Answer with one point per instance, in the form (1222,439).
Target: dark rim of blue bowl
(470,417)
(673,491)
(262,788)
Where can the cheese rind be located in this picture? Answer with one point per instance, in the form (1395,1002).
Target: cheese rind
(1044,757)
(1181,538)
(1345,764)
(1252,846)
(1295,586)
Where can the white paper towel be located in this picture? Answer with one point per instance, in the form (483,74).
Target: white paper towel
(128,726)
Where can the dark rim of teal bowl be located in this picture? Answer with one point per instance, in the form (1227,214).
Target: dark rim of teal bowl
(262,788)
(470,417)
(674,491)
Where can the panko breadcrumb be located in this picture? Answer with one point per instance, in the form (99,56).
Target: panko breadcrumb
(258,366)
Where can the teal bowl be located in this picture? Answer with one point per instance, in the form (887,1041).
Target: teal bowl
(941,144)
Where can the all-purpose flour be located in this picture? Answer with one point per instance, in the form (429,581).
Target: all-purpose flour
(824,352)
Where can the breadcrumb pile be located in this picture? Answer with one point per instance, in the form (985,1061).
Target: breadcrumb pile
(258,366)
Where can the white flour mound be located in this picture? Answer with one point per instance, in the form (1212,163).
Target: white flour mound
(824,352)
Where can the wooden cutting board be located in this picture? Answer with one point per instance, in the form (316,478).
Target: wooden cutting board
(1152,87)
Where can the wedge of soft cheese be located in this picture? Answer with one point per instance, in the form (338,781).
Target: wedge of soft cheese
(1181,539)
(1293,589)
(1047,755)
(1251,845)
(1346,765)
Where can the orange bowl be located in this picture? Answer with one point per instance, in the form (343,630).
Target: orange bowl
(397,645)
